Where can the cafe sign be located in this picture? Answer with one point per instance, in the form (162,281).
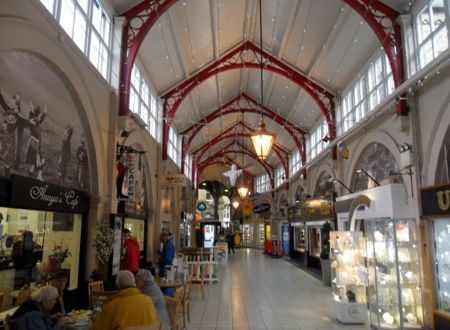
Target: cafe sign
(36,194)
(436,200)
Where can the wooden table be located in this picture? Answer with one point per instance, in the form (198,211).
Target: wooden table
(169,284)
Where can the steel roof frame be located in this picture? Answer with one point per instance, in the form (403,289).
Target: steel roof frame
(141,18)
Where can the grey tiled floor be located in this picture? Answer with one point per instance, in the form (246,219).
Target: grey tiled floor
(256,291)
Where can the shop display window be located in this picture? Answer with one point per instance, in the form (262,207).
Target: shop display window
(34,244)
(441,237)
(300,239)
(261,235)
(394,283)
(314,241)
(247,235)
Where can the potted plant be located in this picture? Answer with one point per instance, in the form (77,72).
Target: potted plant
(325,253)
(104,245)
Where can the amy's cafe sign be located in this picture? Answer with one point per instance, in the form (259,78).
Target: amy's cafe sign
(436,200)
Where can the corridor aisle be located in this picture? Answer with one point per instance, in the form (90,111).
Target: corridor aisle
(256,291)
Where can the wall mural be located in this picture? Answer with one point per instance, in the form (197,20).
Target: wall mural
(41,135)
(380,163)
(324,188)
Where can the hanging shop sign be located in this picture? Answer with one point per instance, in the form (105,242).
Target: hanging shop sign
(436,200)
(174,180)
(261,208)
(127,161)
(35,194)
(201,206)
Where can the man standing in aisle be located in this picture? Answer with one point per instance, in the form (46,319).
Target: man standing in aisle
(167,255)
(130,252)
(230,241)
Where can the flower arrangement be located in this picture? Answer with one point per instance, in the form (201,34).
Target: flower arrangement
(54,260)
(104,241)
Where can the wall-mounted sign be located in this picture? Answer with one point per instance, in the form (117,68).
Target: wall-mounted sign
(174,180)
(436,200)
(312,209)
(35,194)
(201,206)
(260,208)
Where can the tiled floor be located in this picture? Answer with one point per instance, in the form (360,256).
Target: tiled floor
(256,291)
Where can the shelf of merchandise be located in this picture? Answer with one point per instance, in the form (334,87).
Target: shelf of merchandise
(348,277)
(206,259)
(394,283)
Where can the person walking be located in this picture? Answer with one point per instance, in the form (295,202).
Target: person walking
(230,241)
(166,259)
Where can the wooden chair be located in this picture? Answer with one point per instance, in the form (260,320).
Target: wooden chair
(2,295)
(96,286)
(24,295)
(8,322)
(198,277)
(186,301)
(173,309)
(98,299)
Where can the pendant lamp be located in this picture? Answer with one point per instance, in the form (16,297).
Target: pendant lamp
(261,139)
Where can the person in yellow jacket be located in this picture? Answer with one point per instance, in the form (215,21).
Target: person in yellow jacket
(128,308)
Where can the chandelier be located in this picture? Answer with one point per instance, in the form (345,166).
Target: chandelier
(262,140)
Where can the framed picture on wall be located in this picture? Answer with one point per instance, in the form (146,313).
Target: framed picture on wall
(62,221)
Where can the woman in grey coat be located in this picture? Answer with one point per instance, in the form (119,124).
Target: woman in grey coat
(147,284)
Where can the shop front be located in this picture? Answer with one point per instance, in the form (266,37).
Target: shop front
(385,217)
(265,226)
(43,230)
(436,211)
(306,221)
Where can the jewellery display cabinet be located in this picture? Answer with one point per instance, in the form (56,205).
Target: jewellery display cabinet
(394,282)
(348,276)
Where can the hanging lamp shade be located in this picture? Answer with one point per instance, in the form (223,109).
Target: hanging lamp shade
(235,204)
(243,191)
(262,141)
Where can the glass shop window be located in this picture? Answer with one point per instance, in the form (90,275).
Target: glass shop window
(35,244)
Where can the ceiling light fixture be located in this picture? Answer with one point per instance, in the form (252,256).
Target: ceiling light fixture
(361,170)
(262,140)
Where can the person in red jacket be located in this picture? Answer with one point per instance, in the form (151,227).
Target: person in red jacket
(130,252)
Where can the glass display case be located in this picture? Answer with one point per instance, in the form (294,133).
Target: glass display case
(314,241)
(394,282)
(348,276)
(441,237)
(300,239)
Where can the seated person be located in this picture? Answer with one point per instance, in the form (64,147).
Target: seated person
(146,282)
(128,308)
(63,302)
(33,314)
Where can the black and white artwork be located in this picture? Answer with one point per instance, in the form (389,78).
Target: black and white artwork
(41,135)
(324,186)
(379,163)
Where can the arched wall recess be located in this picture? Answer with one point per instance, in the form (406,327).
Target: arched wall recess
(439,130)
(31,38)
(373,136)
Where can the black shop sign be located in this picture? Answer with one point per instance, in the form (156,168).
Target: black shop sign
(35,194)
(436,200)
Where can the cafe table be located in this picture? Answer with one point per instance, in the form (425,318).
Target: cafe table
(163,284)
